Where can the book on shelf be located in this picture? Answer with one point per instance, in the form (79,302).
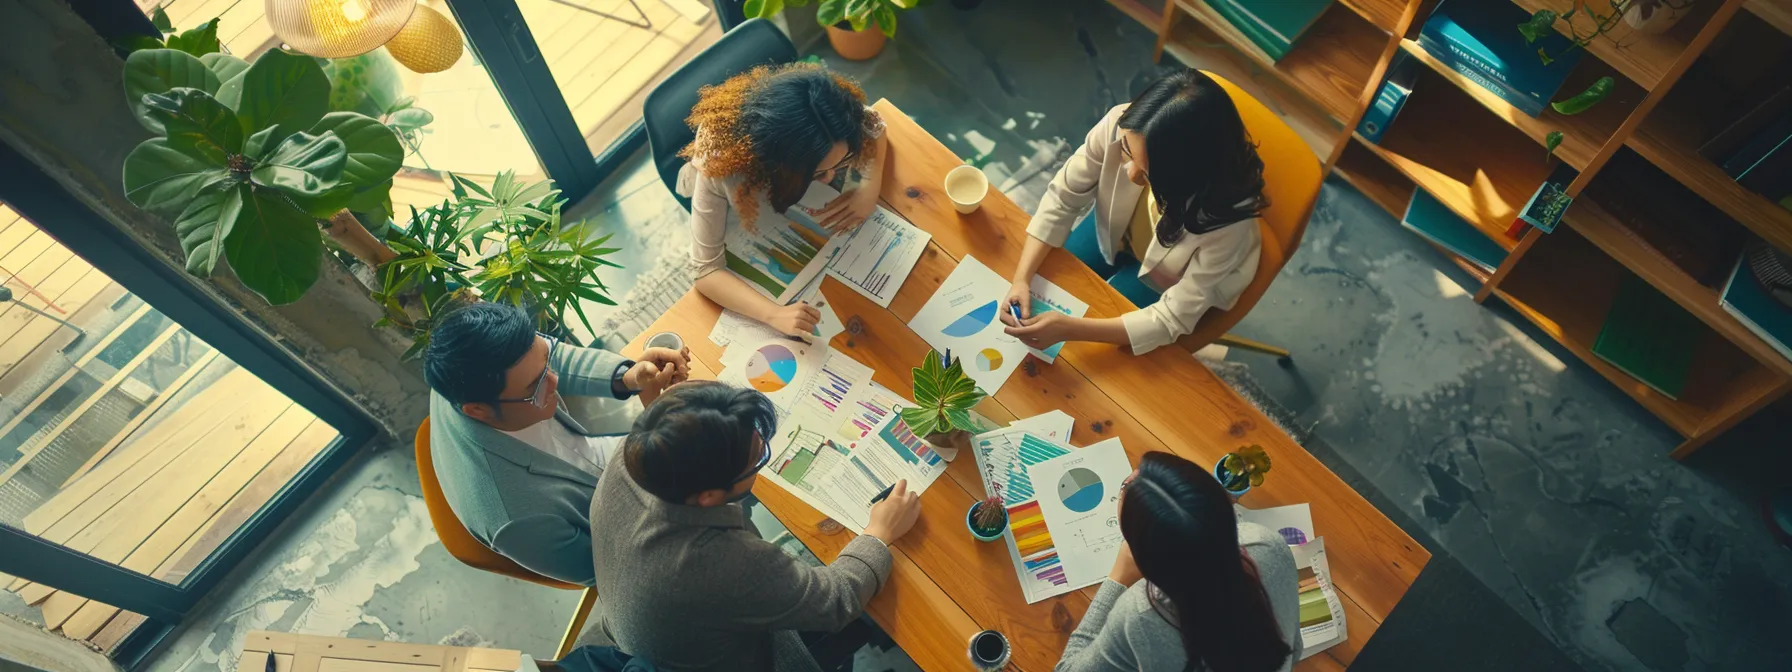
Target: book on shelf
(1547,204)
(1745,298)
(1649,336)
(1396,87)
(1273,25)
(1724,145)
(1436,223)
(1480,39)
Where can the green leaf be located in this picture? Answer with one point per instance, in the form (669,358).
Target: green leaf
(159,19)
(196,123)
(303,165)
(283,90)
(1551,142)
(830,12)
(159,71)
(858,21)
(1538,26)
(163,180)
(410,118)
(227,67)
(920,421)
(960,419)
(204,225)
(375,200)
(886,19)
(259,144)
(198,41)
(373,150)
(275,247)
(327,204)
(1544,57)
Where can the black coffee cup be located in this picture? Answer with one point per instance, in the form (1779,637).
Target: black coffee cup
(989,650)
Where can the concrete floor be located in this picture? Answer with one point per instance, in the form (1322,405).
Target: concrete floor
(1546,482)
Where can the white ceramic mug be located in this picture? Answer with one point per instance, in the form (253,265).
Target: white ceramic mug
(667,340)
(966,186)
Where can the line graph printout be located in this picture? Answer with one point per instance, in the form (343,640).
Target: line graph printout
(875,257)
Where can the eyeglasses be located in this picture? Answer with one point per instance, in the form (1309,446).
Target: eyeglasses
(765,458)
(844,162)
(540,396)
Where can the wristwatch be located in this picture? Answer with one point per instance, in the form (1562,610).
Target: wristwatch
(618,387)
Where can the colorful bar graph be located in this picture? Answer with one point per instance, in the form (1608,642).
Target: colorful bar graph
(1034,543)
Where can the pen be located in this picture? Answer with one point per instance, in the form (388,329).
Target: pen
(1015,309)
(882,495)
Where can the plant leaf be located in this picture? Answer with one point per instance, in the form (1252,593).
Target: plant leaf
(198,40)
(227,67)
(204,225)
(196,123)
(283,90)
(373,152)
(275,247)
(1551,142)
(920,421)
(159,19)
(410,118)
(162,179)
(830,12)
(886,19)
(159,71)
(374,200)
(960,419)
(303,165)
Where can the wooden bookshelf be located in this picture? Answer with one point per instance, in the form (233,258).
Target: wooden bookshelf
(1483,159)
(1582,134)
(1645,59)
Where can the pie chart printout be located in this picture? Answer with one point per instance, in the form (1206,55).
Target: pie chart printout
(1080,490)
(771,368)
(989,359)
(972,323)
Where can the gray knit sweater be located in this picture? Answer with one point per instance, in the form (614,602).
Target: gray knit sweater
(1121,631)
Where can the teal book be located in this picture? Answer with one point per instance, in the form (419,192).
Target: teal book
(1749,302)
(1273,25)
(1436,223)
(1649,336)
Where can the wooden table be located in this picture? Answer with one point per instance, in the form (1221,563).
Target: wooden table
(947,586)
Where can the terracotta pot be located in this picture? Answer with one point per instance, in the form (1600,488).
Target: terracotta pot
(856,45)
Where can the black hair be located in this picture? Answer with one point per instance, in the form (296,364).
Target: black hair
(471,348)
(793,120)
(1179,523)
(697,436)
(1203,166)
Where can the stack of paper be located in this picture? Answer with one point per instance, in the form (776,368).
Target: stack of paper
(1063,525)
(1321,614)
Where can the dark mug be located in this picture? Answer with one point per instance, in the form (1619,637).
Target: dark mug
(989,650)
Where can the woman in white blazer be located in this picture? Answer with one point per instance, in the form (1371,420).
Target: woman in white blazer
(1175,188)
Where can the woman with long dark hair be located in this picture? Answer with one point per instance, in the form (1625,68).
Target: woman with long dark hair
(763,137)
(1172,187)
(1216,595)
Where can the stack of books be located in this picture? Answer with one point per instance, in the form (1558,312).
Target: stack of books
(1756,150)
(1273,25)
(1747,297)
(1480,39)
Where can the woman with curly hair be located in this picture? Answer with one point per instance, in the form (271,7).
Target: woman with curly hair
(762,137)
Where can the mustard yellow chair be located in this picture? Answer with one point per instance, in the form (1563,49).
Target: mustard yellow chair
(461,544)
(1291,179)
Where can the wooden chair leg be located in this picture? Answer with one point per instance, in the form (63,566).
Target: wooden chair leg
(1282,356)
(587,600)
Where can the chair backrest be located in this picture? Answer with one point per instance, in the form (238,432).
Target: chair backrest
(755,42)
(455,538)
(1291,179)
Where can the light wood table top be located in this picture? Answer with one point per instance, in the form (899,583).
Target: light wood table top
(946,586)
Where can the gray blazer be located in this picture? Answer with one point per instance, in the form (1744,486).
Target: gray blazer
(523,503)
(693,588)
(1122,631)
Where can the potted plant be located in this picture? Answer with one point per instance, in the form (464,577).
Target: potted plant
(987,519)
(857,29)
(944,396)
(1243,469)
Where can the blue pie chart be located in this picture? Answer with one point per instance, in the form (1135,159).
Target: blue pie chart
(1080,490)
(972,322)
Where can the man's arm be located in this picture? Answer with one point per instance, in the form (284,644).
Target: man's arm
(773,591)
(590,372)
(548,545)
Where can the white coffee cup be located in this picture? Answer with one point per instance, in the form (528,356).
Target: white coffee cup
(966,186)
(667,340)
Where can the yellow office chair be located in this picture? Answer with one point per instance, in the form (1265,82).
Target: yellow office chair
(1291,179)
(464,547)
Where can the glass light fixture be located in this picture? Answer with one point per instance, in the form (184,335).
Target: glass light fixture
(337,28)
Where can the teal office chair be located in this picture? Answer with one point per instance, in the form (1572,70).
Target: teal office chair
(753,43)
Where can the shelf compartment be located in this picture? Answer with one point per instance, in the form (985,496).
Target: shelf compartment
(1583,134)
(1479,166)
(1199,48)
(1375,178)
(1565,286)
(1644,59)
(1330,63)
(1383,14)
(1776,13)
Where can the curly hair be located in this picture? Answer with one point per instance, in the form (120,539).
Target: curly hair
(772,126)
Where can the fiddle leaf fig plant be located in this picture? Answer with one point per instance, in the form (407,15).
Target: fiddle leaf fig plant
(248,158)
(944,396)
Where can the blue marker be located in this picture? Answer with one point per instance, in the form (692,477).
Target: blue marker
(1015,309)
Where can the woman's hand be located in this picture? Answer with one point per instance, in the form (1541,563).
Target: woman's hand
(797,319)
(1125,571)
(847,210)
(1019,294)
(1040,331)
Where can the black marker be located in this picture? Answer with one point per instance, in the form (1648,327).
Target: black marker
(882,495)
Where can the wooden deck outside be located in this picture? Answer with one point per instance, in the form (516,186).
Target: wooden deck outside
(142,447)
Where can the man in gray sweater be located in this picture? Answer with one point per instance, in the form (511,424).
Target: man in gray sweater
(684,579)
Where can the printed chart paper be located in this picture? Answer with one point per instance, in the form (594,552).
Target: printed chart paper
(1055,425)
(1002,461)
(1078,493)
(1321,615)
(961,317)
(1294,522)
(876,257)
(779,257)
(1050,297)
(733,326)
(779,367)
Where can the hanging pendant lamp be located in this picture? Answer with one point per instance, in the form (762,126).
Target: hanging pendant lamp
(428,43)
(337,28)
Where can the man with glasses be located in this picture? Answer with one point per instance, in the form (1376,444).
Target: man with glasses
(686,580)
(515,465)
